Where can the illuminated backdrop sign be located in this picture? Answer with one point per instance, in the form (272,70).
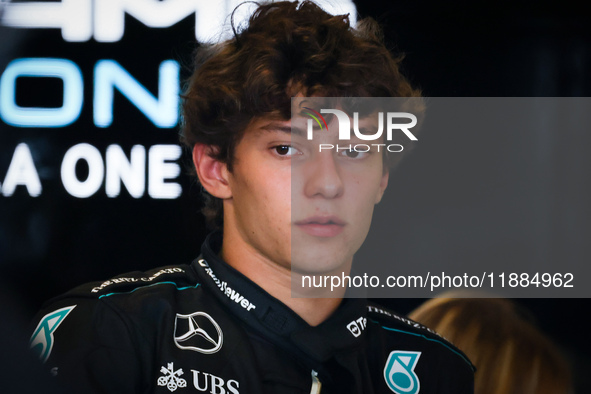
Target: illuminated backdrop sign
(104,20)
(91,89)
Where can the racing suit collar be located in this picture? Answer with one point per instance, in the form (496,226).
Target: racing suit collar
(260,311)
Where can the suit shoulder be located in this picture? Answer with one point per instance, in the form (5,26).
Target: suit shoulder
(176,276)
(382,315)
(114,308)
(395,323)
(132,294)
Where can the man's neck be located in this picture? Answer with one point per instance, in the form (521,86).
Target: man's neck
(275,279)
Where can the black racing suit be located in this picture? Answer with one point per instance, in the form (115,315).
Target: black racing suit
(205,327)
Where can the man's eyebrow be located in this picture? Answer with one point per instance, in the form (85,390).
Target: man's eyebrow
(274,126)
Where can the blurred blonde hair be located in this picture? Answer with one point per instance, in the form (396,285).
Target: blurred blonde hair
(511,355)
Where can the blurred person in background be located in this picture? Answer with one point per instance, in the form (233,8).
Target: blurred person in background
(511,354)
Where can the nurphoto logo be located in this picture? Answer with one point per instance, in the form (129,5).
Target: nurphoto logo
(392,121)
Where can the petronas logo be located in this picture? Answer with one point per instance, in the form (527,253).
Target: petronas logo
(198,332)
(399,372)
(42,339)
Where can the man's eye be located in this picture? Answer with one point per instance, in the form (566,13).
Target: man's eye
(284,150)
(352,153)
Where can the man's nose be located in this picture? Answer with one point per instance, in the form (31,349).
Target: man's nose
(324,177)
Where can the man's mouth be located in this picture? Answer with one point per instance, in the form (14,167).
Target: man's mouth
(322,226)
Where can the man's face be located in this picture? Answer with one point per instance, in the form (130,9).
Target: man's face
(297,207)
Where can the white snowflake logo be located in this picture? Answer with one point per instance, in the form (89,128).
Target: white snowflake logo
(171,378)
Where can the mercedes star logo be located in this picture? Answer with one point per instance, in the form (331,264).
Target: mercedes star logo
(198,332)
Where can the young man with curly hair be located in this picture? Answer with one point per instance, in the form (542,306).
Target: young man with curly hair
(227,323)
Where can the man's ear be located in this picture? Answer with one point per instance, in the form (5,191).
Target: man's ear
(383,185)
(212,173)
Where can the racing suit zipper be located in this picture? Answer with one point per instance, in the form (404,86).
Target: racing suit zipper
(316,383)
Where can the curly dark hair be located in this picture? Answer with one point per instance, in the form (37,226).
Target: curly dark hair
(287,48)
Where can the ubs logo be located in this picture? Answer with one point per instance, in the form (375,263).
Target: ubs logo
(198,332)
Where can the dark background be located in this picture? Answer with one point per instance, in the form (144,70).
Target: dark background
(53,242)
(498,49)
